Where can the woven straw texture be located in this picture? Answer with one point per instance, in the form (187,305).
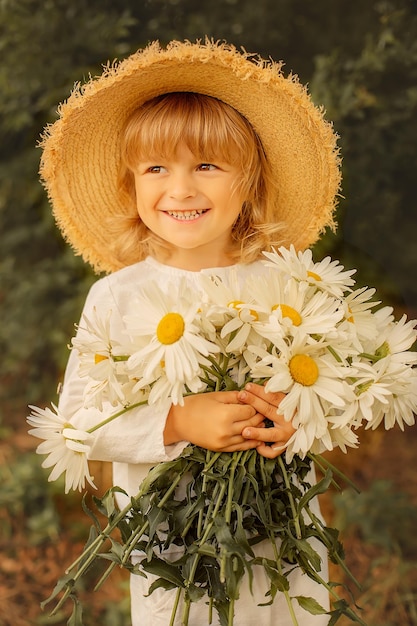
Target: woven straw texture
(81,151)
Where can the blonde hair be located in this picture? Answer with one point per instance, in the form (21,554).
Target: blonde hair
(212,131)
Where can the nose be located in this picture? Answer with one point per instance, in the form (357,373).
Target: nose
(181,186)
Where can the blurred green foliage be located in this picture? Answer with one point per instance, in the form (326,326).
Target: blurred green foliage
(26,501)
(381,521)
(360,60)
(383,515)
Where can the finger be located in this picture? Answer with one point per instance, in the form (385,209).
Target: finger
(264,403)
(272,397)
(239,411)
(253,421)
(240,446)
(270,452)
(235,443)
(278,435)
(226,397)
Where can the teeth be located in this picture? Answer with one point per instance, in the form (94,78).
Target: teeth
(186,215)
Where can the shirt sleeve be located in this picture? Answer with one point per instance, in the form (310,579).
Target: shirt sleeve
(134,437)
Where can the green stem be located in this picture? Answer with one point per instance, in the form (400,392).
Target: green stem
(287,596)
(335,354)
(228,513)
(215,511)
(347,611)
(318,526)
(133,539)
(174,485)
(208,463)
(320,460)
(231,612)
(371,357)
(207,529)
(210,615)
(290,497)
(175,607)
(91,552)
(230,493)
(212,372)
(105,575)
(322,467)
(109,419)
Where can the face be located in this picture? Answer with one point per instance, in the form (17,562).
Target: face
(191,205)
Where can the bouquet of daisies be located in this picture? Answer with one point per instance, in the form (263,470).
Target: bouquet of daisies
(301,328)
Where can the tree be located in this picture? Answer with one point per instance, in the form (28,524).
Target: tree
(360,59)
(42,284)
(372,98)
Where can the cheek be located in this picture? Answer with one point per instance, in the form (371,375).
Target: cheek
(143,201)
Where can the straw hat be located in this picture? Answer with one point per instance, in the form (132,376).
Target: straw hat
(81,152)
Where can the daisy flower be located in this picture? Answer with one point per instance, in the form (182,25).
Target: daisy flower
(326,275)
(168,326)
(232,308)
(398,384)
(384,390)
(312,381)
(360,323)
(65,446)
(402,407)
(160,389)
(163,389)
(396,338)
(294,307)
(343,438)
(371,393)
(101,360)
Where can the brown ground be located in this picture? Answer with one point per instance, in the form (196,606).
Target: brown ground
(28,572)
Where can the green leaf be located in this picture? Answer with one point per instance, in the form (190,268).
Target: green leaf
(66,581)
(164,570)
(195,593)
(156,516)
(279,581)
(107,505)
(116,552)
(76,618)
(317,489)
(305,549)
(89,512)
(311,605)
(92,536)
(161,583)
(161,471)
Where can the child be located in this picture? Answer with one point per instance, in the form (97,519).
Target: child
(178,162)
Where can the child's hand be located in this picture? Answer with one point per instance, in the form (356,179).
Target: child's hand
(266,404)
(214,421)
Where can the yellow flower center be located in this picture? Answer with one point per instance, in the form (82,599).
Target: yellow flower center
(170,329)
(350,319)
(304,370)
(98,358)
(235,304)
(313,275)
(288,311)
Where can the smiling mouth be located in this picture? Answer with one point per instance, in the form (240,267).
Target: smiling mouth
(187,215)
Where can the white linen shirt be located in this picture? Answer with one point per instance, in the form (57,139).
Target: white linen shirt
(134,443)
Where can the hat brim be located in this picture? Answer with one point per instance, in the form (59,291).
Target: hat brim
(81,151)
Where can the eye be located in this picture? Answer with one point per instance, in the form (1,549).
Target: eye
(206,167)
(155,169)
